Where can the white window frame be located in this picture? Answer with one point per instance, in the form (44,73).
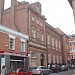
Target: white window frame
(22,45)
(12,37)
(33,33)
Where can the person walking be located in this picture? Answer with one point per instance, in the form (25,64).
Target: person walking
(3,71)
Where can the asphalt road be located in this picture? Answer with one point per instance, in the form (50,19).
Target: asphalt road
(69,72)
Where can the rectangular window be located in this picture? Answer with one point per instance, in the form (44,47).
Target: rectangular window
(59,45)
(37,21)
(33,18)
(22,46)
(48,39)
(33,33)
(52,41)
(12,44)
(41,23)
(42,37)
(56,43)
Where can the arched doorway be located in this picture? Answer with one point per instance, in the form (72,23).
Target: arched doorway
(42,59)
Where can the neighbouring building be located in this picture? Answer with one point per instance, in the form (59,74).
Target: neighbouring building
(13,48)
(53,44)
(25,33)
(72,48)
(65,47)
(72,3)
(37,39)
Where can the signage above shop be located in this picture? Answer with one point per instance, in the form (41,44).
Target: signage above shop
(10,53)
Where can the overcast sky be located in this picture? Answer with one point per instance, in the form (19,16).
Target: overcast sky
(57,12)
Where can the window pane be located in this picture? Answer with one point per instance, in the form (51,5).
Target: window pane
(11,44)
(22,46)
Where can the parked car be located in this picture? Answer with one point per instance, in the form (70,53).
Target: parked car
(64,68)
(55,68)
(40,70)
(71,66)
(20,71)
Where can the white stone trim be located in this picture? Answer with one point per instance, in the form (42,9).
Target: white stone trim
(12,36)
(22,40)
(12,32)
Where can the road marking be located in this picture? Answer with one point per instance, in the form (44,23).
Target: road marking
(73,74)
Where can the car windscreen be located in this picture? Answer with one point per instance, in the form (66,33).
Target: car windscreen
(34,68)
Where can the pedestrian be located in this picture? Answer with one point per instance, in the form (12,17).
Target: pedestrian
(3,71)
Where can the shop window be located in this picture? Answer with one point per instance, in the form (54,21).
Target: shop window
(11,43)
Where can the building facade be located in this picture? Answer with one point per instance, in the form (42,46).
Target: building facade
(54,48)
(40,41)
(72,48)
(64,47)
(72,3)
(13,48)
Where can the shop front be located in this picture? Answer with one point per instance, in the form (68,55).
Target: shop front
(13,61)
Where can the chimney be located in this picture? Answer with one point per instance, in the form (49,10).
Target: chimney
(13,3)
(1,9)
(12,12)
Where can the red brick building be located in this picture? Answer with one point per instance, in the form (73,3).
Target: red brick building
(65,47)
(72,48)
(45,43)
(13,45)
(13,48)
(54,48)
